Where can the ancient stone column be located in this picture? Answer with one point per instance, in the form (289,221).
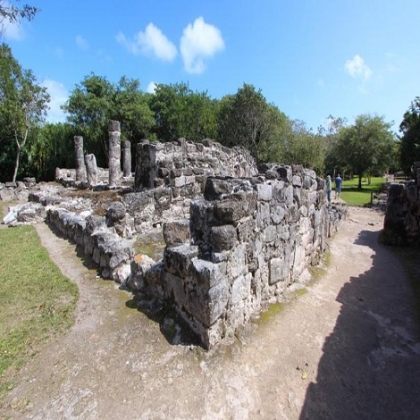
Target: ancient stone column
(80,161)
(126,158)
(92,169)
(114,153)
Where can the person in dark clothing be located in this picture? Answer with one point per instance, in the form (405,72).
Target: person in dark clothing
(338,183)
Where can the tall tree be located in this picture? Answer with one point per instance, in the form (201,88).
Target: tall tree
(246,119)
(410,139)
(51,146)
(180,112)
(131,108)
(304,147)
(89,109)
(367,145)
(23,103)
(333,160)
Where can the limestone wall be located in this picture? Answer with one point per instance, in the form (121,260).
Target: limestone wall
(402,218)
(247,240)
(184,166)
(109,251)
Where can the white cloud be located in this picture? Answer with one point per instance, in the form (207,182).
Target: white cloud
(150,42)
(81,42)
(357,68)
(151,87)
(59,96)
(199,41)
(12,31)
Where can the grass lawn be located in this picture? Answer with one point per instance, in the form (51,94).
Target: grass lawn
(36,300)
(355,197)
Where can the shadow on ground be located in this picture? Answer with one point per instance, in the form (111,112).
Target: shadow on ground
(172,326)
(370,368)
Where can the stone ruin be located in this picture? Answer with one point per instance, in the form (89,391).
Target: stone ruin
(402,217)
(235,237)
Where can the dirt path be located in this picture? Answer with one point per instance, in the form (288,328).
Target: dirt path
(346,349)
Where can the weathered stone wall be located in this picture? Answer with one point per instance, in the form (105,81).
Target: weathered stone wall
(247,240)
(402,218)
(67,177)
(235,242)
(109,251)
(169,175)
(185,166)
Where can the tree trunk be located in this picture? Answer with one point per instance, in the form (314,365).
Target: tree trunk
(360,182)
(16,164)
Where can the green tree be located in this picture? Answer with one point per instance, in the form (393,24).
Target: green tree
(273,147)
(180,112)
(367,145)
(131,108)
(303,147)
(51,146)
(23,104)
(96,101)
(334,162)
(410,139)
(246,119)
(90,108)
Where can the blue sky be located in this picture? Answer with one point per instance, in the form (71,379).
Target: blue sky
(311,58)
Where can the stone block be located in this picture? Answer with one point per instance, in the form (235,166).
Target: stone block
(207,305)
(296,181)
(115,213)
(174,288)
(265,192)
(237,261)
(241,288)
(223,237)
(269,234)
(277,214)
(206,273)
(176,232)
(177,259)
(245,229)
(277,270)
(94,223)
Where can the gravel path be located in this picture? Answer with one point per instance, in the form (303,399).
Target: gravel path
(347,349)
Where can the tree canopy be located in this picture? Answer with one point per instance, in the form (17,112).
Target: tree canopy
(366,146)
(23,104)
(13,13)
(95,101)
(410,139)
(246,119)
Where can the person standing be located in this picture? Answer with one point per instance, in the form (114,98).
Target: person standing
(338,183)
(328,183)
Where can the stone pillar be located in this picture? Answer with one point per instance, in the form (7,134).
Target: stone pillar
(126,158)
(80,161)
(114,153)
(91,169)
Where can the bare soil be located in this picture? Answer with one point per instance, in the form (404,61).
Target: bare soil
(348,348)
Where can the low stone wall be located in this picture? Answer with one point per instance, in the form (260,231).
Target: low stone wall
(246,242)
(402,218)
(67,177)
(109,251)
